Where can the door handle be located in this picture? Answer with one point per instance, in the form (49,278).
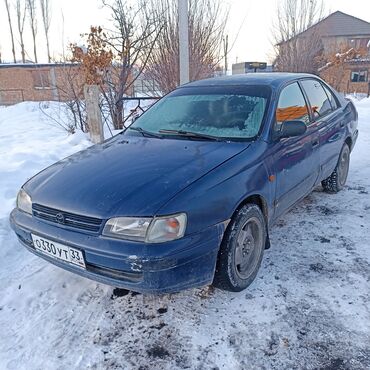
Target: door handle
(315,143)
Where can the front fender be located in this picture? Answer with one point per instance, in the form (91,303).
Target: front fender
(215,197)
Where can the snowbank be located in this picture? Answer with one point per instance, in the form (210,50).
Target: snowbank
(29,142)
(308,308)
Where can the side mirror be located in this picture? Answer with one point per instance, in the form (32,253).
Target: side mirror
(292,128)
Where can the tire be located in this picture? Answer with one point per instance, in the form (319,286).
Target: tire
(336,181)
(241,250)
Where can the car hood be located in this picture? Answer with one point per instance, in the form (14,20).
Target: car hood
(127,175)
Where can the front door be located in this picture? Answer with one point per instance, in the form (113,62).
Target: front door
(296,159)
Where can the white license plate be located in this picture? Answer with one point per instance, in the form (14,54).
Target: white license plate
(58,251)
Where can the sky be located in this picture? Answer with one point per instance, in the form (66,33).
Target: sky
(249,28)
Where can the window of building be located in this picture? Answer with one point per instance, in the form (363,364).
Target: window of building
(359,76)
(360,43)
(41,79)
(319,101)
(292,105)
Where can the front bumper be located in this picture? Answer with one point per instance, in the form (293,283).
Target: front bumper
(148,268)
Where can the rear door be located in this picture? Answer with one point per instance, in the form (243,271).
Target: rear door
(328,117)
(296,159)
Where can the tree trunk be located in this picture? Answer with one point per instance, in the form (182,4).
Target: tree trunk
(118,115)
(21,17)
(34,45)
(48,48)
(11,30)
(23,53)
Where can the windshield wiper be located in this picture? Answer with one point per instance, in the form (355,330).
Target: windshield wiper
(191,134)
(146,133)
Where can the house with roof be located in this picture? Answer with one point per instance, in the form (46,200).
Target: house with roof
(339,29)
(343,36)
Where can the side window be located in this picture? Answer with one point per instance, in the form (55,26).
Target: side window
(291,106)
(317,97)
(331,97)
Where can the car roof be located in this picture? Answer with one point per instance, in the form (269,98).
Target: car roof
(274,79)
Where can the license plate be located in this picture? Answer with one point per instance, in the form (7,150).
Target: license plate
(59,251)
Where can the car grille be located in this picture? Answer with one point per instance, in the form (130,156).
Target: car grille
(65,218)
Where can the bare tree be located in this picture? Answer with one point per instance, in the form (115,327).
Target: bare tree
(70,89)
(336,66)
(21,17)
(297,39)
(31,7)
(62,36)
(207,21)
(11,29)
(135,32)
(46,19)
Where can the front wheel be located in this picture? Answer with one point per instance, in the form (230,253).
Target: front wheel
(241,250)
(336,181)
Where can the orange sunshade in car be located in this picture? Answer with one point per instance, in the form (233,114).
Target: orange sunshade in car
(290,113)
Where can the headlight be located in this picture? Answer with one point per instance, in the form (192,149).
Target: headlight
(150,230)
(24,202)
(127,228)
(163,229)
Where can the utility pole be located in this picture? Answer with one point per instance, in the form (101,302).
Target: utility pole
(226,50)
(183,9)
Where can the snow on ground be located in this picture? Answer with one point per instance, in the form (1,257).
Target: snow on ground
(309,307)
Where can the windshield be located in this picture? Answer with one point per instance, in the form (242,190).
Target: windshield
(222,111)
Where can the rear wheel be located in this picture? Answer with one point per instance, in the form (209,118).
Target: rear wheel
(336,181)
(241,250)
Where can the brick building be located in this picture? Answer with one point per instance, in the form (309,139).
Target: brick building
(37,82)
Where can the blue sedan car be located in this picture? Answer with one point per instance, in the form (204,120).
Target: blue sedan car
(186,195)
